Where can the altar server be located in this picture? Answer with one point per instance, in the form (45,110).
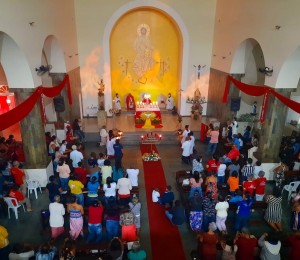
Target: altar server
(170,102)
(117,102)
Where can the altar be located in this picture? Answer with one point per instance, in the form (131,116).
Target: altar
(147,116)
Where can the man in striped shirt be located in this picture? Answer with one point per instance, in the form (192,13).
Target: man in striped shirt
(247,169)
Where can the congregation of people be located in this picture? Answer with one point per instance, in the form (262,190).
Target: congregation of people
(233,179)
(93,199)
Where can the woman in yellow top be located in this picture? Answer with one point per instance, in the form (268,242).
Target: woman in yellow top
(4,243)
(76,187)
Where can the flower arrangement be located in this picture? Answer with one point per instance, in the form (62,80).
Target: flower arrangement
(153,156)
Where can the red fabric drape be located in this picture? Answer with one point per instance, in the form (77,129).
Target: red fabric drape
(18,113)
(259,91)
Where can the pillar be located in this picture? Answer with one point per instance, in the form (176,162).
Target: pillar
(33,133)
(62,117)
(271,131)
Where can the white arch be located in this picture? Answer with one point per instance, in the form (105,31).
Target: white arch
(116,16)
(289,74)
(14,63)
(54,55)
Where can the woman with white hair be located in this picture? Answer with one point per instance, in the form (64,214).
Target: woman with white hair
(57,212)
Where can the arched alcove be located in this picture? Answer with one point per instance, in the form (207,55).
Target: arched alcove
(159,6)
(247,59)
(14,63)
(145,54)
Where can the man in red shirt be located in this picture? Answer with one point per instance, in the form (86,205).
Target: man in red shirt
(15,193)
(246,244)
(260,183)
(18,176)
(234,153)
(95,222)
(213,164)
(249,185)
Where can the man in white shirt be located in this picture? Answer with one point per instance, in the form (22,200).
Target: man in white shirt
(186,146)
(133,176)
(185,133)
(75,156)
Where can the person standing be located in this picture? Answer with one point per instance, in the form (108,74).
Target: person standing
(214,140)
(274,209)
(95,222)
(76,188)
(133,176)
(135,207)
(234,126)
(170,102)
(208,243)
(192,145)
(185,133)
(124,187)
(209,212)
(270,246)
(76,221)
(243,212)
(260,184)
(117,103)
(103,136)
(127,223)
(111,140)
(196,213)
(76,156)
(185,157)
(118,151)
(246,244)
(221,209)
(56,220)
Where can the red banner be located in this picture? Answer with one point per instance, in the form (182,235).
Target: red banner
(18,113)
(253,90)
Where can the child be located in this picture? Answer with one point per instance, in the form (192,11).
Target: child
(237,197)
(155,195)
(92,161)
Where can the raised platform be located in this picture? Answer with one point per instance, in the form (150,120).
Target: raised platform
(125,123)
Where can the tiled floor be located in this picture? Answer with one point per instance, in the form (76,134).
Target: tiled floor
(28,228)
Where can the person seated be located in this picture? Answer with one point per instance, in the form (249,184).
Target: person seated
(155,195)
(167,197)
(294,241)
(15,193)
(68,250)
(136,252)
(115,248)
(46,251)
(177,214)
(21,251)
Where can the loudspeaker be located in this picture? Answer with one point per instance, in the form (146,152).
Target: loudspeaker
(59,104)
(235,104)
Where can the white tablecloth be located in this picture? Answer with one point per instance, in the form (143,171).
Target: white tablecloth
(147,108)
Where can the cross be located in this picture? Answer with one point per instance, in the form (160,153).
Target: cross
(161,66)
(126,68)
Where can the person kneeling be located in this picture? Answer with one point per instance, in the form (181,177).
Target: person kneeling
(177,214)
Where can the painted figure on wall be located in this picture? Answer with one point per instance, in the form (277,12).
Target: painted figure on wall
(130,103)
(143,61)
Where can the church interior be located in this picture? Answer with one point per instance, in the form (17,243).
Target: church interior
(145,69)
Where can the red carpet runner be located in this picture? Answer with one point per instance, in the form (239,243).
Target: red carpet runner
(165,238)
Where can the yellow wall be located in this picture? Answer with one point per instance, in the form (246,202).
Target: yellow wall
(166,42)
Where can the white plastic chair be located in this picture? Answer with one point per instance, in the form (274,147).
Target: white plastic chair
(291,188)
(13,204)
(33,185)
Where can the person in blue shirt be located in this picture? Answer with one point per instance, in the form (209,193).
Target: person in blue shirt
(243,212)
(237,197)
(93,186)
(168,197)
(118,151)
(92,161)
(236,141)
(247,135)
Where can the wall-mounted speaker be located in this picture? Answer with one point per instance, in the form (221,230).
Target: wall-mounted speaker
(235,104)
(59,104)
